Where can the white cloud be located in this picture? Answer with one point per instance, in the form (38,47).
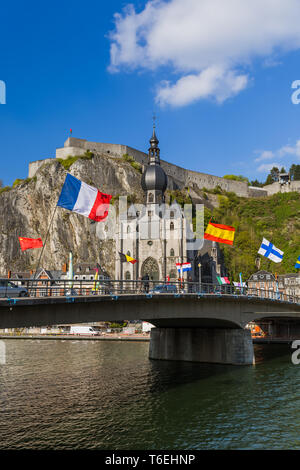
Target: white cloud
(265,155)
(208,44)
(290,154)
(290,150)
(266,167)
(214,82)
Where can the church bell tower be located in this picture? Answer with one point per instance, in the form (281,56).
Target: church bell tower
(154,179)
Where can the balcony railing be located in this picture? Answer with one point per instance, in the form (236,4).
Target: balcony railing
(11,288)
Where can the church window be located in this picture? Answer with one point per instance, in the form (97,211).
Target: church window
(128,229)
(171,215)
(150,197)
(128,253)
(127,276)
(172,252)
(172,226)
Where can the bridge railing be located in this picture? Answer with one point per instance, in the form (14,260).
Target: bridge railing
(85,287)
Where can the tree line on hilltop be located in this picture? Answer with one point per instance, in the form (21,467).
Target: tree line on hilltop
(272,177)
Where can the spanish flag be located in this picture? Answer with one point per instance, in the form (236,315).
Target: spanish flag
(219,233)
(29,243)
(127,259)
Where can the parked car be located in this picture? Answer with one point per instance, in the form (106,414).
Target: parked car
(164,289)
(9,289)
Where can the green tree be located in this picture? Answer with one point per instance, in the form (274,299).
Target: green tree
(257,184)
(273,175)
(236,178)
(295,172)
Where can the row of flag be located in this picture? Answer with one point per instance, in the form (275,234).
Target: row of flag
(86,200)
(225,234)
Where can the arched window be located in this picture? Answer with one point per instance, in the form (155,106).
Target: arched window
(128,253)
(127,276)
(128,229)
(172,252)
(172,215)
(150,198)
(172,226)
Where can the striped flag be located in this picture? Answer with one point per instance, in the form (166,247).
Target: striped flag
(219,233)
(297,265)
(183,267)
(223,280)
(77,196)
(127,259)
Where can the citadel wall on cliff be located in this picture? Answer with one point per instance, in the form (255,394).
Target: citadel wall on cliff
(180,177)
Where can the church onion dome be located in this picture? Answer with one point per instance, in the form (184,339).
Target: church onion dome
(154,179)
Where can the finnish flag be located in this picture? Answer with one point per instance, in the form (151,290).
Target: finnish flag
(270,251)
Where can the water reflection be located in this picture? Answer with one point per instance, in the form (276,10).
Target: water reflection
(109,395)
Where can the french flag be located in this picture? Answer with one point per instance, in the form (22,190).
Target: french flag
(79,197)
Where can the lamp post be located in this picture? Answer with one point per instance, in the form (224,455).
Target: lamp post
(199,266)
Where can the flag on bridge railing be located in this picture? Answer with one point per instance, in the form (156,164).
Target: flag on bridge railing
(29,243)
(79,197)
(223,280)
(238,284)
(268,250)
(297,265)
(183,267)
(220,233)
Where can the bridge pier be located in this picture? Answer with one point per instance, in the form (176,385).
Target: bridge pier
(210,345)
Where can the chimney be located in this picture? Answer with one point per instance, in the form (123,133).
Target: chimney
(64,268)
(9,275)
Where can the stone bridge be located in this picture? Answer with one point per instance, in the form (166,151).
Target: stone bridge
(190,327)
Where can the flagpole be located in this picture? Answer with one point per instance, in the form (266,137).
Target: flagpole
(44,244)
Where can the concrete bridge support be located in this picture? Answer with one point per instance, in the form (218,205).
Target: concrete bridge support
(210,345)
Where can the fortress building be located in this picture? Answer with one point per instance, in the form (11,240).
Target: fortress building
(178,177)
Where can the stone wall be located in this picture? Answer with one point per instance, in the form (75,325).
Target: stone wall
(285,188)
(178,177)
(35,166)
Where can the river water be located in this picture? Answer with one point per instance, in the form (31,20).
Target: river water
(57,394)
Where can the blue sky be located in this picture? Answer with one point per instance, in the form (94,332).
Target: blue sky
(59,72)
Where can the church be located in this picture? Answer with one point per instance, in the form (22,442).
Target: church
(159,236)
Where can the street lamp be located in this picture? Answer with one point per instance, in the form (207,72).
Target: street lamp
(199,266)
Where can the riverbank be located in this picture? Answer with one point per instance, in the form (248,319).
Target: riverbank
(106,337)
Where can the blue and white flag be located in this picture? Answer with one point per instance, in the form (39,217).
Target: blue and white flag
(184,267)
(297,265)
(268,250)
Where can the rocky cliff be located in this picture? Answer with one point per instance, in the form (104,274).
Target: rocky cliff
(27,209)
